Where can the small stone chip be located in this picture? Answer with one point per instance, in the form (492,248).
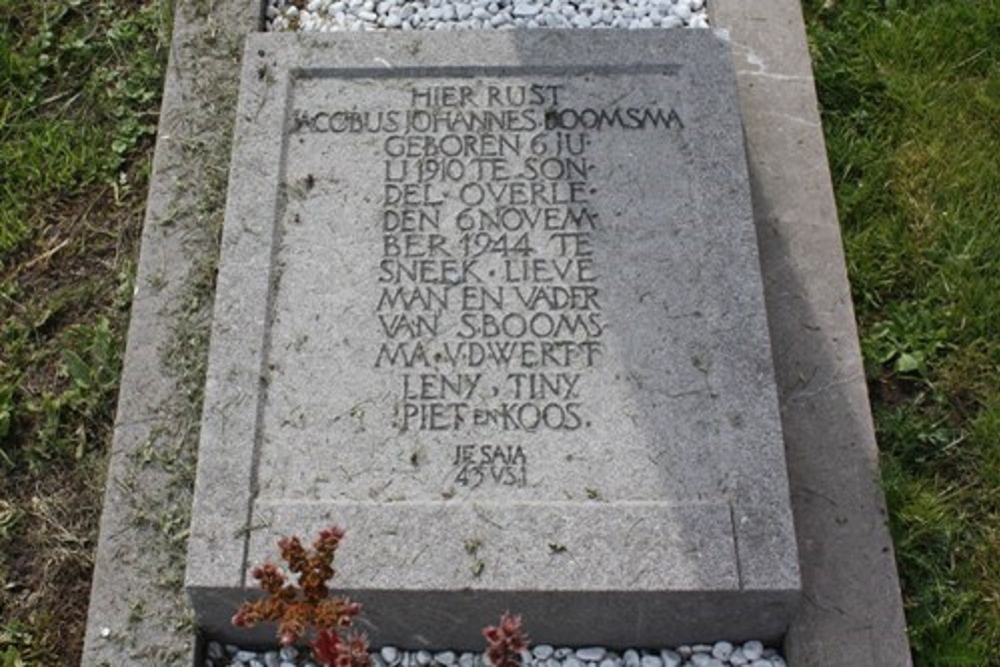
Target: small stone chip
(446,658)
(591,653)
(753,650)
(722,650)
(542,651)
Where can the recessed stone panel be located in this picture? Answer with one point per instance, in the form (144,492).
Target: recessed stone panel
(492,302)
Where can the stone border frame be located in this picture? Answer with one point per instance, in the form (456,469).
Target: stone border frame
(852,612)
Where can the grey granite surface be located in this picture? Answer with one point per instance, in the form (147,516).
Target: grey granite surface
(499,287)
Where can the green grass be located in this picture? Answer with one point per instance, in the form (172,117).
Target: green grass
(76,102)
(81,84)
(910,95)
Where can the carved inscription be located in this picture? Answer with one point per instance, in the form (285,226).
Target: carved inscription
(487,289)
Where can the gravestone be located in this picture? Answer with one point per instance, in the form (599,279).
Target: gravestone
(492,302)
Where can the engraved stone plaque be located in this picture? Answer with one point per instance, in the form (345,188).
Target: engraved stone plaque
(492,303)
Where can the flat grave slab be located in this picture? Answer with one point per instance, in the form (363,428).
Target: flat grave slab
(492,302)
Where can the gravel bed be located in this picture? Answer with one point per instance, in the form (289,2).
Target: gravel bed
(719,654)
(335,15)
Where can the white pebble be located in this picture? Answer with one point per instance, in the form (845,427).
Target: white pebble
(698,22)
(670,658)
(651,661)
(753,650)
(722,650)
(525,9)
(542,651)
(446,658)
(557,21)
(591,653)
(737,659)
